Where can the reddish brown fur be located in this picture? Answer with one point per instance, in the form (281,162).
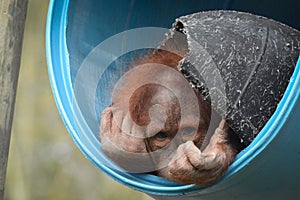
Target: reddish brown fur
(188,164)
(170,59)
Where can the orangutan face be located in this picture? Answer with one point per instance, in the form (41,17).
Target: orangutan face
(157,123)
(153,111)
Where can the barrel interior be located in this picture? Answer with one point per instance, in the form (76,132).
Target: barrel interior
(84,24)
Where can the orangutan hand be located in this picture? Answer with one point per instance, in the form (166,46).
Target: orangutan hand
(190,165)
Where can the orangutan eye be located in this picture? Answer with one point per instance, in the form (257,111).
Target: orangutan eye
(188,131)
(161,135)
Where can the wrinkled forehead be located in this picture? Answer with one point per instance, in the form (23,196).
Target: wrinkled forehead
(159,74)
(172,90)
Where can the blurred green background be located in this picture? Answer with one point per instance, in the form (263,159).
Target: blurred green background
(44,163)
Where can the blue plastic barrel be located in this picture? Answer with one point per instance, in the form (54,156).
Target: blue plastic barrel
(267,169)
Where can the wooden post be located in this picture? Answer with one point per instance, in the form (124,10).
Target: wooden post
(12,21)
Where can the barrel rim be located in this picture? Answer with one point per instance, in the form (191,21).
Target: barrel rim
(59,75)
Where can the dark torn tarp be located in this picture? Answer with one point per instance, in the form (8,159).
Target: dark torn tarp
(239,62)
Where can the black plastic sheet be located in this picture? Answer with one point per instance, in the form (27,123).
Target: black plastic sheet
(239,62)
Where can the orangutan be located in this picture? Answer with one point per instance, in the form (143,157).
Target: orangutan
(144,129)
